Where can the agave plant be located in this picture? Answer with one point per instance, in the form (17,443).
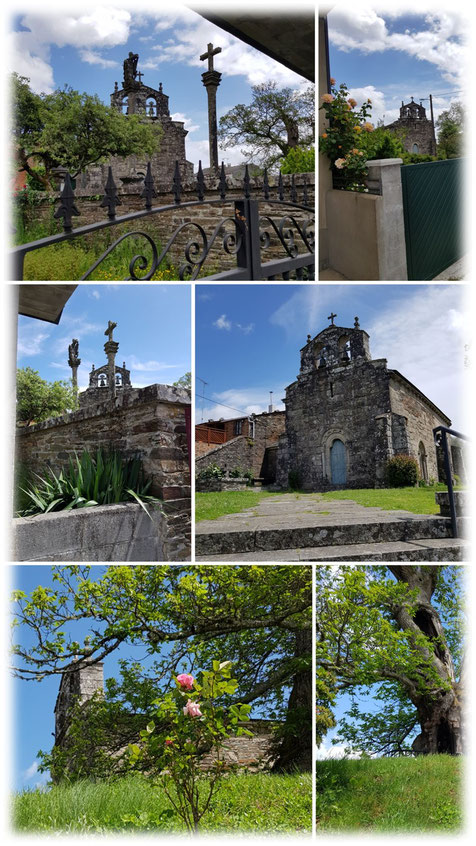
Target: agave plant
(102,479)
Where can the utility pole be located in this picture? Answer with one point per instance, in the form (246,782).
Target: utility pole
(433,125)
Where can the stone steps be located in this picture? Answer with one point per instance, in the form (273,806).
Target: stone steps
(210,540)
(438,549)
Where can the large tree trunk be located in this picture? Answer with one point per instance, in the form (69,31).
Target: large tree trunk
(294,748)
(440,712)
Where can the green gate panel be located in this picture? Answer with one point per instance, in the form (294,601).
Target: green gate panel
(432,212)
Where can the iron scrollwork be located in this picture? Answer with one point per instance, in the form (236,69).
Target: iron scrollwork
(285,232)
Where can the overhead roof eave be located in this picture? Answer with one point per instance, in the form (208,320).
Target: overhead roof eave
(288,39)
(44,302)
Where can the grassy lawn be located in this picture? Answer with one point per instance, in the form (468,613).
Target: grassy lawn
(209,506)
(251,802)
(390,794)
(416,500)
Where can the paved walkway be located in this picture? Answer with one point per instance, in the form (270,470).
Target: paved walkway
(287,511)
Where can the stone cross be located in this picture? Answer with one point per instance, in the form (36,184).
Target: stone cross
(209,55)
(140,75)
(74,361)
(331,317)
(211,80)
(110,329)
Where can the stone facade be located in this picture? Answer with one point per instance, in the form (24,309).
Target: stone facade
(251,440)
(419,131)
(98,384)
(135,98)
(151,422)
(347,414)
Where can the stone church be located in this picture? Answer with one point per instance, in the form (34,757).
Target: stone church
(419,131)
(136,98)
(347,414)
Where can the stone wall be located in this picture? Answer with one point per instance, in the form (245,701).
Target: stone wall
(245,452)
(421,418)
(122,532)
(152,423)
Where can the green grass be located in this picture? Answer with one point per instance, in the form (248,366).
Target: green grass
(251,802)
(390,794)
(416,500)
(209,506)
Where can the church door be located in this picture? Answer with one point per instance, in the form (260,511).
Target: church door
(338,463)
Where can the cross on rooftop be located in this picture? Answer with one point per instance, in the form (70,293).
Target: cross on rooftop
(209,55)
(140,75)
(331,317)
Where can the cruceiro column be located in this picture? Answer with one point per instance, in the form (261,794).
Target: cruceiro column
(110,348)
(74,361)
(211,80)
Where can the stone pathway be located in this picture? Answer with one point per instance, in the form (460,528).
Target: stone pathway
(306,527)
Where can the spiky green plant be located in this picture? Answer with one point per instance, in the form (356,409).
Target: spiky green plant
(101,479)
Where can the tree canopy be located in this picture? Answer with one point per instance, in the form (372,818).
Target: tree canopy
(38,399)
(276,121)
(257,617)
(71,130)
(450,129)
(394,632)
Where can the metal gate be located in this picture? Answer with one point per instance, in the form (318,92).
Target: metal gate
(262,245)
(432,203)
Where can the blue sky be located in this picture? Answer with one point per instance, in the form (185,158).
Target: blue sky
(84,46)
(390,52)
(248,339)
(153,330)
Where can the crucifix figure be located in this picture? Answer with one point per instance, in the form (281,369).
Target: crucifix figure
(209,55)
(331,317)
(110,329)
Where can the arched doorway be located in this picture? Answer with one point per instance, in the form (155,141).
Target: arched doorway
(338,463)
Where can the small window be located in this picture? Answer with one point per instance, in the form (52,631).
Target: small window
(125,106)
(238,427)
(415,148)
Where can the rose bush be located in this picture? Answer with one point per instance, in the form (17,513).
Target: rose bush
(341,141)
(192,722)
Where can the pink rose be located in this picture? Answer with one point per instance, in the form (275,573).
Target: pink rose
(192,709)
(169,742)
(186,681)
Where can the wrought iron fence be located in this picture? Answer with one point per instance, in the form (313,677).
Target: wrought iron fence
(245,233)
(441,435)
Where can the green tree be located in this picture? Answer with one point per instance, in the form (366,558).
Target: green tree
(396,632)
(259,617)
(38,399)
(299,160)
(273,123)
(185,381)
(450,129)
(72,130)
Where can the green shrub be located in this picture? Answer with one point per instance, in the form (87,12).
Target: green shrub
(236,473)
(401,471)
(213,471)
(103,479)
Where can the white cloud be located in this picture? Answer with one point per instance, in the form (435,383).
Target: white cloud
(93,58)
(440,44)
(151,366)
(31,340)
(31,771)
(327,751)
(245,329)
(238,401)
(188,125)
(222,323)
